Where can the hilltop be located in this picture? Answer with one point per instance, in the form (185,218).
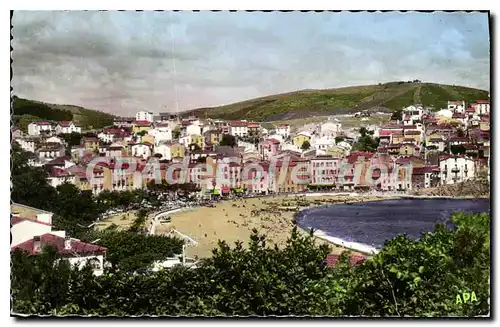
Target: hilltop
(307,103)
(24,111)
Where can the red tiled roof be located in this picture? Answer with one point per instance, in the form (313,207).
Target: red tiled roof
(425,169)
(412,133)
(113,131)
(65,123)
(58,172)
(354,156)
(458,115)
(90,139)
(239,123)
(77,246)
(142,123)
(284,125)
(273,140)
(470,109)
(42,123)
(483,101)
(253,125)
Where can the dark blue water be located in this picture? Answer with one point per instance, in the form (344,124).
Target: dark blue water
(372,223)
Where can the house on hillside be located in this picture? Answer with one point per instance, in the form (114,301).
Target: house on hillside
(481,107)
(283,130)
(76,252)
(67,127)
(456,106)
(40,128)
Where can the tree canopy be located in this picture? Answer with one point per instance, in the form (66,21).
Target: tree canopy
(305,145)
(406,278)
(228,140)
(366,142)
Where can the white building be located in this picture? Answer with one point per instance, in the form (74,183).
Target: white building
(283,130)
(144,116)
(456,169)
(50,151)
(330,128)
(482,107)
(143,150)
(456,106)
(67,127)
(323,143)
(239,128)
(28,143)
(59,176)
(193,129)
(325,170)
(161,136)
(247,145)
(412,114)
(39,127)
(164,150)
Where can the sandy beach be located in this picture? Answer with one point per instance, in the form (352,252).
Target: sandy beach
(233,220)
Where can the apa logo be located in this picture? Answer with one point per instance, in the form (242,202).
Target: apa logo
(466,297)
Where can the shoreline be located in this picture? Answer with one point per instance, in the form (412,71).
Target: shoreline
(362,247)
(231,220)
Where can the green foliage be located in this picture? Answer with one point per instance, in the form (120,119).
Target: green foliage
(228,140)
(338,139)
(29,184)
(397,115)
(423,278)
(366,142)
(141,133)
(457,149)
(194,147)
(129,251)
(27,107)
(28,110)
(406,278)
(305,145)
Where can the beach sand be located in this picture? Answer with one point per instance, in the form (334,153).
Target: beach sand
(232,221)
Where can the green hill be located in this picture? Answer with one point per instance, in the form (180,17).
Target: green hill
(306,103)
(24,111)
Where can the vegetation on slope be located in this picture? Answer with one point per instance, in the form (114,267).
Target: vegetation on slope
(24,111)
(300,104)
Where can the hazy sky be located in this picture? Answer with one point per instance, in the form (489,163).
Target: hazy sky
(123,62)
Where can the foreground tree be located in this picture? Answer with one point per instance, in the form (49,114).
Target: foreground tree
(407,278)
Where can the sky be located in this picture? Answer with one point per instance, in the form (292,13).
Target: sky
(124,62)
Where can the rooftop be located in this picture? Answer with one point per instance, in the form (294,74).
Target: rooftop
(77,247)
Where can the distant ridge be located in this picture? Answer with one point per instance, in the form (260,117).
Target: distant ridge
(307,103)
(25,110)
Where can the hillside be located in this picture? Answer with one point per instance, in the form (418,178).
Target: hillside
(306,103)
(24,111)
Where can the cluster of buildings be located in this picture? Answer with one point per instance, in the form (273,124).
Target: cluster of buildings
(416,152)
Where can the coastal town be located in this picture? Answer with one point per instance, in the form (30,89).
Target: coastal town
(420,150)
(444,147)
(250,164)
